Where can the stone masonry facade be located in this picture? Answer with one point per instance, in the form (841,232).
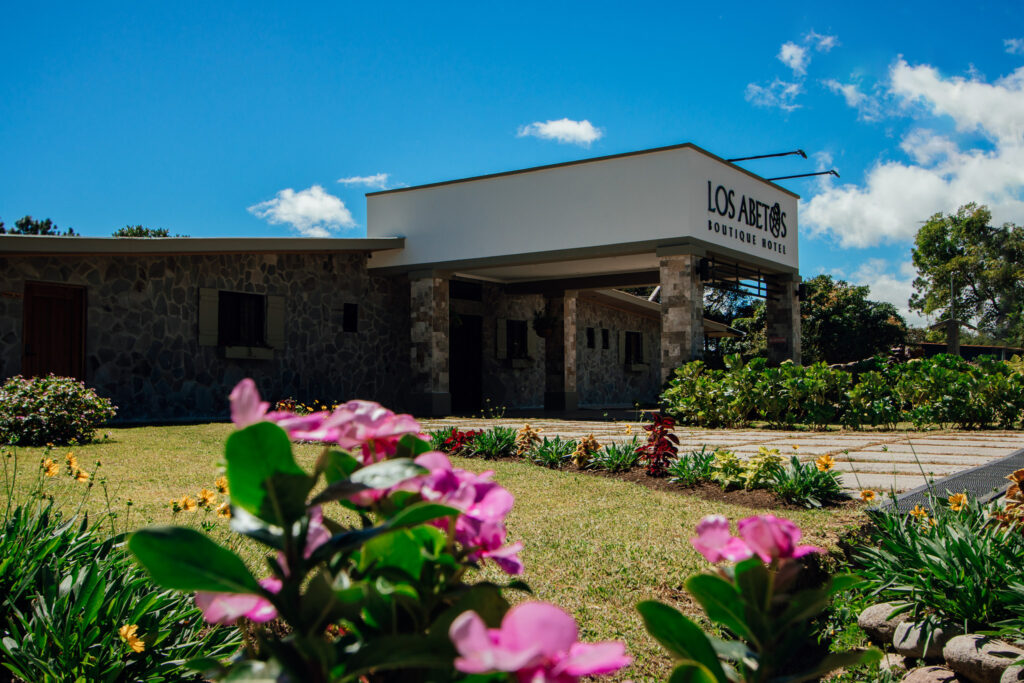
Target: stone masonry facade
(141,332)
(603,380)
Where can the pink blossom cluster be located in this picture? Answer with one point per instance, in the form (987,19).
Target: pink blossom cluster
(537,641)
(362,427)
(480,528)
(227,608)
(767,536)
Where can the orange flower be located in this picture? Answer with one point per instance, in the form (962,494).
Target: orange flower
(867,495)
(128,635)
(81,476)
(224,510)
(222,485)
(957,502)
(207,498)
(187,503)
(50,468)
(920,513)
(825,463)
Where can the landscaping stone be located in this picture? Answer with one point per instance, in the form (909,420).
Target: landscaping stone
(980,659)
(876,623)
(1014,674)
(933,674)
(909,641)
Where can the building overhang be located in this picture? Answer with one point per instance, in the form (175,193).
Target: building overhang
(52,245)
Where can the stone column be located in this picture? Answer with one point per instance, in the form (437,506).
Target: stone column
(682,310)
(782,310)
(429,393)
(560,392)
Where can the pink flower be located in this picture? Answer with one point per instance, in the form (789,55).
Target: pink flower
(537,641)
(227,608)
(372,428)
(773,538)
(716,543)
(246,406)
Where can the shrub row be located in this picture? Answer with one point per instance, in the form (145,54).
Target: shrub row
(807,484)
(941,391)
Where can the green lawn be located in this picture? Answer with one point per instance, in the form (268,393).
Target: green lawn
(593,545)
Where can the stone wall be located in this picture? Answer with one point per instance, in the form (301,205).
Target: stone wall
(142,346)
(604,381)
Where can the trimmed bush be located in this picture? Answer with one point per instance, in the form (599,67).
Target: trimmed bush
(50,410)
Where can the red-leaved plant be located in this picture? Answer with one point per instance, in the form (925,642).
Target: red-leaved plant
(662,446)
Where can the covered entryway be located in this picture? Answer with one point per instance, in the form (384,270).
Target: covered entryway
(54,330)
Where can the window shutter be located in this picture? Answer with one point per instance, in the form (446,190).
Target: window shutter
(501,339)
(209,306)
(275,322)
(532,342)
(622,348)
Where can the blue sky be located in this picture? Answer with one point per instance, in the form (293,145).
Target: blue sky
(220,118)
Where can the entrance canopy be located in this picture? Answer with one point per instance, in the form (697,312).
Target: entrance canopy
(600,222)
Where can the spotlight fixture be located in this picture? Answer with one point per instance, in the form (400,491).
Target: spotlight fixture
(831,171)
(798,152)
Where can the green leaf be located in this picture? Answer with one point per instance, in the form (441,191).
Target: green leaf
(483,598)
(243,522)
(398,549)
(723,604)
(337,465)
(399,652)
(186,560)
(209,667)
(682,638)
(418,513)
(693,672)
(263,475)
(346,541)
(411,446)
(252,671)
(387,473)
(338,490)
(831,662)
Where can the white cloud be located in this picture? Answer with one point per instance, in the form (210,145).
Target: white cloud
(1015,46)
(892,287)
(314,212)
(563,130)
(795,57)
(897,196)
(821,43)
(378,181)
(779,93)
(867,106)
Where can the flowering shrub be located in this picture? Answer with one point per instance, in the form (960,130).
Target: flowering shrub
(50,410)
(661,447)
(767,620)
(381,597)
(809,485)
(457,442)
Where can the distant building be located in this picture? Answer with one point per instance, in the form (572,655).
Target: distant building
(500,287)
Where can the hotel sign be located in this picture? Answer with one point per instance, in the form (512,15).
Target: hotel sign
(745,220)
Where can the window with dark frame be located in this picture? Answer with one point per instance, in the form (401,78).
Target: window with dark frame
(604,338)
(515,339)
(590,337)
(241,319)
(350,318)
(634,348)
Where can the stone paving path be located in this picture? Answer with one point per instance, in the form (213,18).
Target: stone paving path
(875,460)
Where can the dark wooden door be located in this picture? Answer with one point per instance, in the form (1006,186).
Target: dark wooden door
(466,360)
(54,330)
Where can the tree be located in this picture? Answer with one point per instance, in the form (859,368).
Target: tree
(838,324)
(963,260)
(139,231)
(26,225)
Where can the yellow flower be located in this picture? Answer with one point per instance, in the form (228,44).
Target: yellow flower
(795,447)
(81,475)
(175,507)
(224,510)
(957,502)
(187,503)
(72,461)
(867,495)
(920,513)
(128,635)
(825,463)
(629,429)
(207,498)
(50,468)
(222,485)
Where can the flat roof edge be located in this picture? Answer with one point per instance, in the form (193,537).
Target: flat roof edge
(608,157)
(54,245)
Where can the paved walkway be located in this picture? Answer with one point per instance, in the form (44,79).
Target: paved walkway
(875,460)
